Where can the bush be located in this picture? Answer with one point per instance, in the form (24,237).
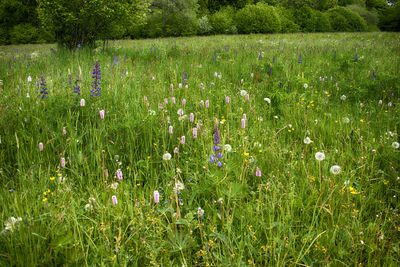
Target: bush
(23,34)
(370,16)
(343,19)
(323,23)
(287,21)
(222,21)
(204,25)
(259,18)
(306,18)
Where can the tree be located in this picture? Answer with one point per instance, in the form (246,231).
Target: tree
(82,22)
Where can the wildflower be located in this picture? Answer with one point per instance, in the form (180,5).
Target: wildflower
(343,97)
(183,102)
(63,162)
(356,58)
(243,92)
(243,123)
(27,95)
(200,212)
(173,100)
(165,101)
(207,103)
(227,99)
(88,207)
(152,112)
(267,100)
(64,131)
(119,174)
(389,104)
(167,156)
(241,81)
(319,156)
(96,76)
(179,186)
(346,120)
(217,155)
(395,145)
(300,60)
(92,200)
(307,140)
(335,169)
(11,224)
(183,138)
(194,133)
(244,116)
(156,195)
(77,89)
(82,102)
(247,97)
(176,150)
(114,186)
(352,190)
(170,129)
(29,79)
(114,200)
(305,86)
(101,112)
(43,88)
(258,172)
(180,85)
(227,148)
(191,117)
(41,146)
(380,102)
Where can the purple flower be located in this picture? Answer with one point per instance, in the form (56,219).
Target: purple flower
(258,172)
(41,146)
(43,88)
(96,82)
(183,140)
(77,89)
(119,174)
(170,129)
(63,162)
(243,123)
(227,99)
(217,155)
(114,200)
(102,112)
(156,196)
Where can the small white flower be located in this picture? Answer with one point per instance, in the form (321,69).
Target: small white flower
(179,186)
(243,93)
(227,148)
(305,86)
(182,118)
(335,169)
(395,145)
(343,97)
(114,185)
(152,112)
(319,156)
(346,120)
(252,75)
(180,112)
(166,156)
(92,200)
(257,144)
(220,200)
(307,140)
(267,100)
(88,207)
(200,212)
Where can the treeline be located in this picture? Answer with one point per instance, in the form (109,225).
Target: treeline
(22,22)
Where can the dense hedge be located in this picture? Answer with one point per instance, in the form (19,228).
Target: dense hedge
(343,19)
(259,18)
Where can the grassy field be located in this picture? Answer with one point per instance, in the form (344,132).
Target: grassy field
(259,150)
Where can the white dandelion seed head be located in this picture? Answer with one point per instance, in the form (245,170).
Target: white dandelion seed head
(319,156)
(346,120)
(395,145)
(167,156)
(243,93)
(227,148)
(307,140)
(335,169)
(343,97)
(305,86)
(179,186)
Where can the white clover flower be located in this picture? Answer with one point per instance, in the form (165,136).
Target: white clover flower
(395,145)
(343,97)
(167,156)
(267,100)
(200,212)
(88,207)
(257,144)
(11,224)
(243,93)
(335,169)
(319,156)
(227,148)
(152,112)
(346,120)
(114,185)
(92,200)
(307,140)
(179,186)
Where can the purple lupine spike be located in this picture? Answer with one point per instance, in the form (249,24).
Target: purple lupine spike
(43,88)
(217,155)
(96,83)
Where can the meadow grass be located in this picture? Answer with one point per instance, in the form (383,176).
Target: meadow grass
(272,203)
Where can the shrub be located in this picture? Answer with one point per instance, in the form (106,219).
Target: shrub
(343,19)
(306,18)
(370,16)
(259,18)
(23,33)
(222,21)
(287,21)
(204,25)
(323,23)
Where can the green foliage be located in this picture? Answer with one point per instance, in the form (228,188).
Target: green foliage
(259,18)
(287,20)
(370,16)
(343,19)
(23,34)
(306,18)
(204,25)
(222,21)
(83,22)
(389,19)
(323,24)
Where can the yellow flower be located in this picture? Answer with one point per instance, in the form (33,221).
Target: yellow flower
(59,174)
(260,150)
(353,191)
(362,120)
(246,154)
(44,199)
(154,144)
(52,178)
(148,157)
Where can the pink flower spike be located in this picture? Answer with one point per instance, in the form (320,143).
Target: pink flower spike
(247,97)
(64,131)
(183,140)
(63,162)
(183,102)
(156,196)
(82,102)
(41,146)
(207,103)
(191,117)
(119,174)
(202,103)
(102,112)
(170,129)
(165,101)
(243,123)
(137,203)
(114,200)
(176,150)
(145,98)
(173,100)
(227,99)
(244,116)
(258,172)
(194,133)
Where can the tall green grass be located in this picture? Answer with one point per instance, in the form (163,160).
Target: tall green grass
(296,213)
